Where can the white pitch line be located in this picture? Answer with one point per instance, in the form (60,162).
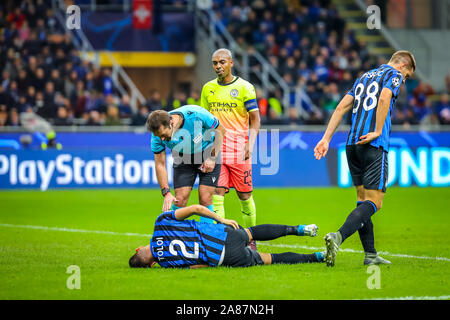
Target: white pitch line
(22,226)
(386,253)
(293,246)
(413,298)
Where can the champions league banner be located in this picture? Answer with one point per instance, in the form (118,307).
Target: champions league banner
(280,159)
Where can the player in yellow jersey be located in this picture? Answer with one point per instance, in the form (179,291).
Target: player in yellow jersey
(233,101)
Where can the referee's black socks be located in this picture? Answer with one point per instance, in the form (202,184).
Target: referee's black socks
(357,218)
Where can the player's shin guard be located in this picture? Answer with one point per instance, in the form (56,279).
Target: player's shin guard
(264,232)
(208,220)
(294,258)
(219,207)
(357,218)
(248,210)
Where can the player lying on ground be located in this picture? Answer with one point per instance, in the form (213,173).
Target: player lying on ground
(181,243)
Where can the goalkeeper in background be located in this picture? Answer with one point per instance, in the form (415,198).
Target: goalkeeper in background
(233,101)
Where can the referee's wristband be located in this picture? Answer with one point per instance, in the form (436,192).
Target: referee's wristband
(165,191)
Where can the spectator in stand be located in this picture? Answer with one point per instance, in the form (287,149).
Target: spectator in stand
(94,118)
(125,107)
(79,100)
(62,117)
(107,83)
(39,104)
(13,92)
(16,18)
(140,118)
(13,119)
(49,100)
(442,109)
(21,105)
(6,78)
(154,103)
(194,98)
(23,81)
(39,81)
(112,116)
(320,69)
(180,99)
(3,115)
(331,99)
(55,77)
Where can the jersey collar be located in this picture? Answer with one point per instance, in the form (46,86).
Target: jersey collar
(227,84)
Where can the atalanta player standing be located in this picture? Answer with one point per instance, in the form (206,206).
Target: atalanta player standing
(371,99)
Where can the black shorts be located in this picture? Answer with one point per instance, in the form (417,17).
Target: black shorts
(237,254)
(186,169)
(368,166)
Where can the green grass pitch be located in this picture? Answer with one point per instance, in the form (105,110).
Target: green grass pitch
(42,233)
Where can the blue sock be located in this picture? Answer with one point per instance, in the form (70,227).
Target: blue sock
(319,256)
(174,207)
(300,230)
(207,220)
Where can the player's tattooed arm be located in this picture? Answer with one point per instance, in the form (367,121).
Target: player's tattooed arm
(186,212)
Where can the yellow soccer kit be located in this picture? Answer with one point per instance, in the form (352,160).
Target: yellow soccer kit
(231,104)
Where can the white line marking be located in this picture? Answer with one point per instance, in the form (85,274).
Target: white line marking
(413,298)
(386,253)
(130,234)
(275,245)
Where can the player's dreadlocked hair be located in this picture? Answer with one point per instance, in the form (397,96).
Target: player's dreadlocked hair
(156,119)
(137,262)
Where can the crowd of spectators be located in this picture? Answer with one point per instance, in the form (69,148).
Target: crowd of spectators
(42,73)
(308,43)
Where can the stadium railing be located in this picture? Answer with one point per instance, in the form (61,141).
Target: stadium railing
(422,50)
(206,24)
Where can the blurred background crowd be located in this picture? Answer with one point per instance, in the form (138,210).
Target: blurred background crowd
(309,45)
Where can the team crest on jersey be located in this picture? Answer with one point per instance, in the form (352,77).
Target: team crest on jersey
(234,93)
(396,81)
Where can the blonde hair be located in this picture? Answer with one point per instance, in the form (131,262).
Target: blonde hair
(404,56)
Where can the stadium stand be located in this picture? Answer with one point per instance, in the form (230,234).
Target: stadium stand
(310,45)
(308,42)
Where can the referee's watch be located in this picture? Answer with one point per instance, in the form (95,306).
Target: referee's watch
(165,191)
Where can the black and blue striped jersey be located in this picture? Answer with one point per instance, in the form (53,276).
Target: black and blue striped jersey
(180,244)
(366,91)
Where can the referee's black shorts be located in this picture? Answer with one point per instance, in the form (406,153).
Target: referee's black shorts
(368,166)
(187,167)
